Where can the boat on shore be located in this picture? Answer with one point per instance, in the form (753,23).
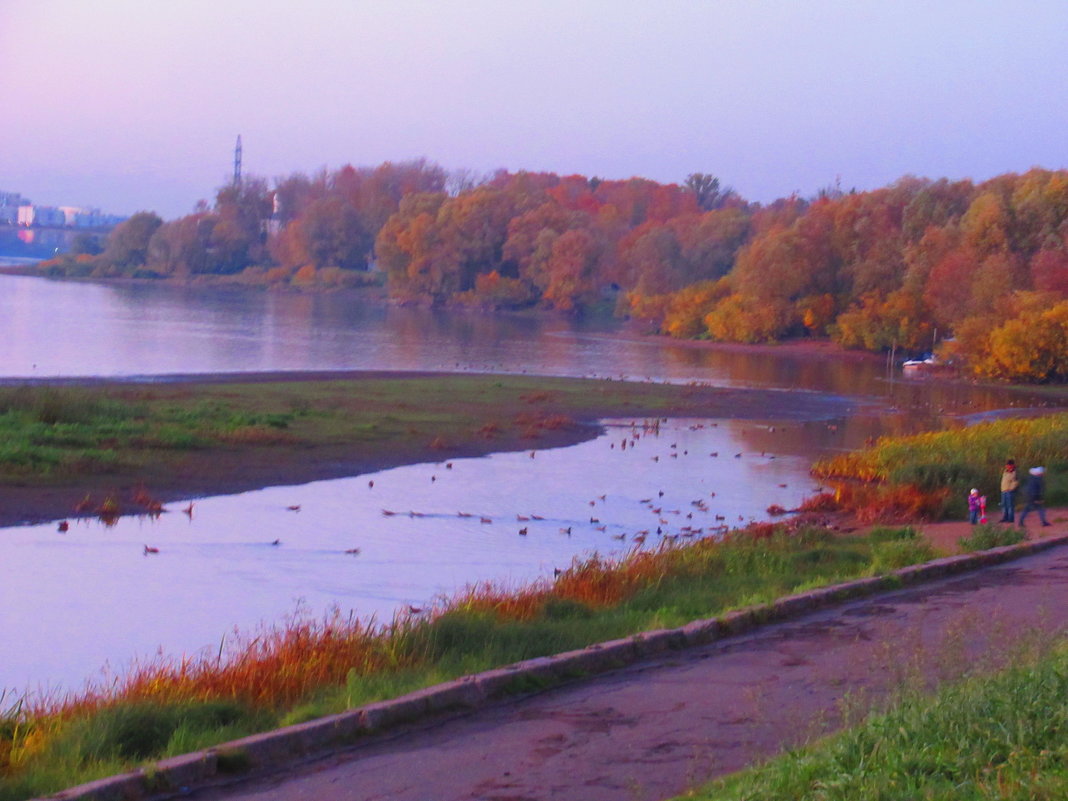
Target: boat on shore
(920,364)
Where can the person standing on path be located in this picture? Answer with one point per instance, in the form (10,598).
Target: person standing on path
(1036,489)
(1010,483)
(974,504)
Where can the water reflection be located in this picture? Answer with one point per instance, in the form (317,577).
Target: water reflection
(51,328)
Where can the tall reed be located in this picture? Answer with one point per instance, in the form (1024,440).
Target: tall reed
(928,475)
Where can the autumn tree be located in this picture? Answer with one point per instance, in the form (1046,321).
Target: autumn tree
(239,238)
(708,193)
(127,244)
(330,233)
(1049,271)
(571,269)
(410,250)
(181,248)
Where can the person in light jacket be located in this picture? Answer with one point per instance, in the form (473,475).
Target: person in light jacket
(1010,483)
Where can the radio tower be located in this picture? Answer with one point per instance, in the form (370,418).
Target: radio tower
(237,162)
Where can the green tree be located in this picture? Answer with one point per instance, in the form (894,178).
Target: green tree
(127,245)
(707,190)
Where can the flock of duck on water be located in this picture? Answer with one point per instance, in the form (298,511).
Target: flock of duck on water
(109,510)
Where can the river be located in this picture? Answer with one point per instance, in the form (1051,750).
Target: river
(76,602)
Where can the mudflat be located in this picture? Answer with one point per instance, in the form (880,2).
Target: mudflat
(344,423)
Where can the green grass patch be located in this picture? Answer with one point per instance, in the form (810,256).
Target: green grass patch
(879,534)
(60,434)
(1000,736)
(892,554)
(990,535)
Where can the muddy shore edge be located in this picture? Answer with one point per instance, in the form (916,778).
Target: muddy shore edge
(226,472)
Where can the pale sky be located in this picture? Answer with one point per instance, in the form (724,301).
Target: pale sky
(135,104)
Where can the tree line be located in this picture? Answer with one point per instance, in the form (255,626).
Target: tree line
(981,267)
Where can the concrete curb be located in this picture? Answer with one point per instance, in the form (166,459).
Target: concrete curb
(177,775)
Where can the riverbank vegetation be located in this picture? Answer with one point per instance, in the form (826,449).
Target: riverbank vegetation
(981,268)
(929,475)
(998,735)
(124,447)
(308,667)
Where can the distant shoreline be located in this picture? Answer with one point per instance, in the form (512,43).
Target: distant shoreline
(18,262)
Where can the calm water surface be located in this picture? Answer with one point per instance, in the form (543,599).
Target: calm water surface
(73,602)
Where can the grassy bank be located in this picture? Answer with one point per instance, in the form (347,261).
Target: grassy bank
(309,667)
(929,475)
(111,441)
(998,736)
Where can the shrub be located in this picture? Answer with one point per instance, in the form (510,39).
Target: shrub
(892,534)
(988,535)
(892,554)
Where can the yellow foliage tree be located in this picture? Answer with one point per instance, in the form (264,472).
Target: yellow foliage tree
(738,318)
(1029,348)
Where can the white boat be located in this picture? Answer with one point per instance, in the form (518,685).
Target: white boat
(919,364)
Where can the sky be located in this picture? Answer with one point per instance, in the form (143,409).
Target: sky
(130,105)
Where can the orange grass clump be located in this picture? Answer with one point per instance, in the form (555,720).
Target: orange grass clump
(819,503)
(882,503)
(277,667)
(595,582)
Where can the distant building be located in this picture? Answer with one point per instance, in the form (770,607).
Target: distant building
(71,214)
(13,199)
(41,215)
(18,210)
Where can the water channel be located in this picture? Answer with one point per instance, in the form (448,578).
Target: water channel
(90,599)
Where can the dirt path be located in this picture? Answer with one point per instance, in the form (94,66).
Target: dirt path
(653,730)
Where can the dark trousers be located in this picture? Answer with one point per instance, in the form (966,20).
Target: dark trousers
(1033,505)
(1008,507)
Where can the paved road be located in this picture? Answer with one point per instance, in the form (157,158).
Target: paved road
(652,730)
